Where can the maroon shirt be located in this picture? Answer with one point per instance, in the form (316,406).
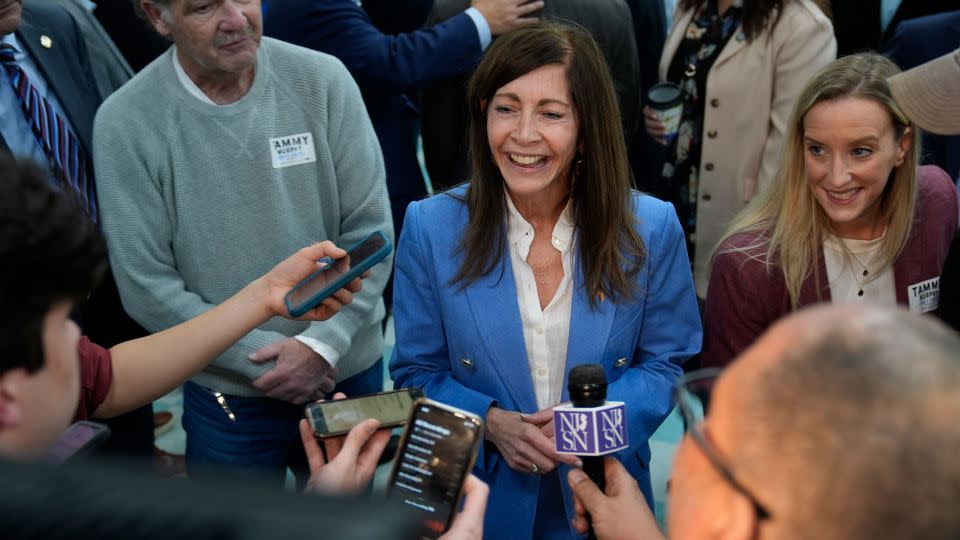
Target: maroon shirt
(744,298)
(96,377)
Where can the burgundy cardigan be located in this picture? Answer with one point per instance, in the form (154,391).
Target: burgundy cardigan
(744,299)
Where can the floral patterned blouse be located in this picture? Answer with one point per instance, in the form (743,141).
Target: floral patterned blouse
(706,35)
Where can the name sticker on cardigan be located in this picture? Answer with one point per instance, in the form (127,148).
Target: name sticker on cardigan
(292,150)
(924,296)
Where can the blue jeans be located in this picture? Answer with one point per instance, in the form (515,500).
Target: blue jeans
(265,438)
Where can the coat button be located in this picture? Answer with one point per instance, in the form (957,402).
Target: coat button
(466,362)
(714,102)
(712,134)
(709,167)
(707,197)
(620,362)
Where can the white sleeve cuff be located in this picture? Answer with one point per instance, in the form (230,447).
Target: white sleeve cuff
(331,355)
(483,29)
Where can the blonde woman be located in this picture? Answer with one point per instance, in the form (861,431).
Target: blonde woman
(850,217)
(741,65)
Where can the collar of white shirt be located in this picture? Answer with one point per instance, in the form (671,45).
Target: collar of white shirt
(520,232)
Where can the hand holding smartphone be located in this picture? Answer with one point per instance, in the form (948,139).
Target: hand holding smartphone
(308,294)
(435,457)
(334,418)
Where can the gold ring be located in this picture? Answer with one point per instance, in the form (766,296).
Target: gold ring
(535,469)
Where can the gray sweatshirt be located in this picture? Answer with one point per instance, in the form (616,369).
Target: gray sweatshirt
(198,200)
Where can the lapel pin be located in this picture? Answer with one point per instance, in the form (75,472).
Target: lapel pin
(46,42)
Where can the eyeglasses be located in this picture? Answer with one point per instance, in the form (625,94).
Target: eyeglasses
(692,394)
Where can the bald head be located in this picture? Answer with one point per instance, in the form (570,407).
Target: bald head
(848,421)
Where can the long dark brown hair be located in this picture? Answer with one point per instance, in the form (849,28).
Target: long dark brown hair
(756,13)
(611,251)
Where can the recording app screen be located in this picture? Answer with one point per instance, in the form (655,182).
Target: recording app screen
(343,414)
(334,271)
(432,466)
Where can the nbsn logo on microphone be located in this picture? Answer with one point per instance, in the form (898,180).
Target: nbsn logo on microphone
(593,431)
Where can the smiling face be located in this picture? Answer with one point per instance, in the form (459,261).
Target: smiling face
(213,37)
(850,150)
(532,130)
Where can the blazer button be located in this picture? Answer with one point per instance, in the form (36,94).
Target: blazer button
(707,197)
(466,362)
(620,362)
(712,134)
(714,102)
(709,167)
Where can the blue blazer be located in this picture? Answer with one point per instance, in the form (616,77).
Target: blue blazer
(466,348)
(915,42)
(386,67)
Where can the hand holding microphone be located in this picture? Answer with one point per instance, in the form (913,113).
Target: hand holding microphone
(620,513)
(590,426)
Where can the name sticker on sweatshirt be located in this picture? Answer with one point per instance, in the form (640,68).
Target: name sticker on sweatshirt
(292,150)
(924,296)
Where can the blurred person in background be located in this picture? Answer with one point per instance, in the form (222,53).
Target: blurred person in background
(740,65)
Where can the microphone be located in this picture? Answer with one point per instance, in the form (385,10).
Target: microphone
(590,427)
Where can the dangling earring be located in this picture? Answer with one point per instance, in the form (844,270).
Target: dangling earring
(577,170)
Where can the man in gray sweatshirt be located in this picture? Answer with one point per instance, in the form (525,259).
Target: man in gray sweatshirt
(222,156)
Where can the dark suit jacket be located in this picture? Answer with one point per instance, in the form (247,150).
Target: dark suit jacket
(137,41)
(386,67)
(110,68)
(915,42)
(856,23)
(444,110)
(65,66)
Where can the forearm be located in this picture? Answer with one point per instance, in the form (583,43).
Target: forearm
(147,368)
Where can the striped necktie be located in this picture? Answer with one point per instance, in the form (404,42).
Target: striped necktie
(59,144)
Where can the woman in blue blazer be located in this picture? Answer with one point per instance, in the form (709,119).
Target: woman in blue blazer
(545,260)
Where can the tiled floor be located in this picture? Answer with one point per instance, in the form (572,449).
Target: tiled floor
(663,443)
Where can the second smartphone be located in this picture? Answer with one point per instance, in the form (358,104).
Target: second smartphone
(336,417)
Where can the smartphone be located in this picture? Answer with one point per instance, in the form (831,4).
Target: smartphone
(79,440)
(435,456)
(337,417)
(308,294)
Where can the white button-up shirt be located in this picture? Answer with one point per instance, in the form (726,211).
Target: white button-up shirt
(545,331)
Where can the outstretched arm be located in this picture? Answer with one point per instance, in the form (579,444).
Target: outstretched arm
(147,368)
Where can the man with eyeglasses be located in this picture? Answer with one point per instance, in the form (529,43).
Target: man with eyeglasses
(839,423)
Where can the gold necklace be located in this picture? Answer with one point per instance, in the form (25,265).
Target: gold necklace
(866,272)
(540,274)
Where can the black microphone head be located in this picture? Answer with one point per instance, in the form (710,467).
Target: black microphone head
(587,385)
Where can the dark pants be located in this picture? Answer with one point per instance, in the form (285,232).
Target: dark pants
(263,440)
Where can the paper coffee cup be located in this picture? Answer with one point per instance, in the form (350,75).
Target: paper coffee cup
(666,99)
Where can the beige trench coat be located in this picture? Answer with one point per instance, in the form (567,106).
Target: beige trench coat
(751,89)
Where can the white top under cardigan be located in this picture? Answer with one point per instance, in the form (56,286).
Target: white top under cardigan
(845,273)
